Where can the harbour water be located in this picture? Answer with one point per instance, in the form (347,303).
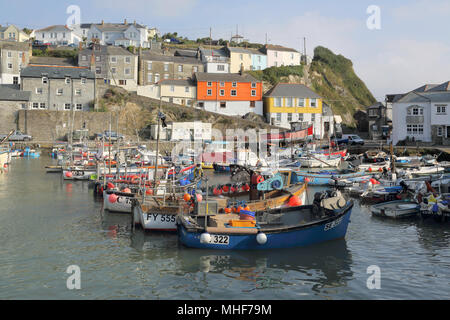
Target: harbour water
(47,224)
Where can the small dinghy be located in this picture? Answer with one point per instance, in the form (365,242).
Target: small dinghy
(396,209)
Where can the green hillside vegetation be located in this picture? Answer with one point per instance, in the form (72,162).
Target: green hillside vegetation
(333,78)
(274,75)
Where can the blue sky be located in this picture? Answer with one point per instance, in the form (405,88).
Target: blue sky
(411,48)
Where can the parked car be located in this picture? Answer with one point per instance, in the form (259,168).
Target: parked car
(17,136)
(353,139)
(107,134)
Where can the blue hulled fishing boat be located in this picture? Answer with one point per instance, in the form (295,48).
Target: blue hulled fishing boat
(327,219)
(323,178)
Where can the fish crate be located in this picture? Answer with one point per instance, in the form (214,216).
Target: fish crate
(200,208)
(242,223)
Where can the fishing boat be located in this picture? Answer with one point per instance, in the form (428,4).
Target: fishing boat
(396,209)
(323,178)
(327,219)
(319,161)
(53,169)
(421,171)
(118,201)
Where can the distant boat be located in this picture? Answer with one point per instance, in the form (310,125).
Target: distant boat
(396,209)
(324,178)
(327,219)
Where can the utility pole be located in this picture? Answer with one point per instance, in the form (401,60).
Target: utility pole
(210,39)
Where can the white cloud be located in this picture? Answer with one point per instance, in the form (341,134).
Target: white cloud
(422,9)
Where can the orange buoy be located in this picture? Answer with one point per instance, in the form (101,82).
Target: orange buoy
(217,191)
(295,201)
(69,174)
(370,169)
(380,169)
(110,186)
(112,198)
(238,209)
(225,189)
(126,190)
(247,208)
(187,197)
(227,210)
(149,192)
(199,197)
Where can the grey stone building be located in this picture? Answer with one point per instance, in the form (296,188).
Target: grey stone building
(379,123)
(13,57)
(115,65)
(59,88)
(12,99)
(155,67)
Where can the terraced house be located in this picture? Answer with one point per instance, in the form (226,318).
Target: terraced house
(278,56)
(58,35)
(290,103)
(14,56)
(231,94)
(247,59)
(59,88)
(119,34)
(156,67)
(115,65)
(13,33)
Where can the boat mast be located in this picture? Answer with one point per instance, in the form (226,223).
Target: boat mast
(155,178)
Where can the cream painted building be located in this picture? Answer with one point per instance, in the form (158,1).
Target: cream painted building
(239,57)
(182,92)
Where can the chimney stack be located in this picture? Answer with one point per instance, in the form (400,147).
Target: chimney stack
(103,22)
(134,22)
(93,62)
(125,22)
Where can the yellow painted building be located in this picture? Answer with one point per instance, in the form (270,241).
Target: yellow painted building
(183,92)
(239,57)
(286,103)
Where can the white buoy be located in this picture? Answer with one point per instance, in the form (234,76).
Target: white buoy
(205,238)
(261,238)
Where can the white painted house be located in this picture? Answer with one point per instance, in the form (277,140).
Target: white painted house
(278,56)
(423,115)
(58,35)
(215,60)
(119,34)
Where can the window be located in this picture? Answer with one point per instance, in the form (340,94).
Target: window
(149,77)
(166,76)
(180,68)
(440,131)
(83,58)
(156,78)
(277,102)
(415,111)
(278,117)
(292,56)
(10,66)
(79,106)
(67,80)
(201,104)
(222,84)
(98,70)
(195,69)
(223,104)
(313,117)
(253,93)
(78,92)
(15,80)
(113,70)
(289,117)
(149,65)
(233,93)
(67,106)
(313,102)
(59,92)
(42,105)
(24,105)
(276,64)
(300,117)
(127,71)
(441,109)
(122,82)
(289,102)
(98,58)
(241,56)
(222,92)
(252,104)
(234,84)
(414,129)
(83,80)
(275,54)
(300,102)
(38,90)
(253,84)
(166,67)
(209,92)
(9,54)
(44,80)
(172,88)
(209,84)
(35,105)
(113,59)
(186,89)
(127,60)
(220,67)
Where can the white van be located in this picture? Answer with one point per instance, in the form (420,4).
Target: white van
(353,139)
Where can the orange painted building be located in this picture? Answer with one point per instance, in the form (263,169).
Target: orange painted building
(229,93)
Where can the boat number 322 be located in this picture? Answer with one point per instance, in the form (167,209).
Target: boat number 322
(333,224)
(161,218)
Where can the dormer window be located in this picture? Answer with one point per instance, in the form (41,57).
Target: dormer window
(67,80)
(44,80)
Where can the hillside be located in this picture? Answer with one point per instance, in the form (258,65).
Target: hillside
(329,75)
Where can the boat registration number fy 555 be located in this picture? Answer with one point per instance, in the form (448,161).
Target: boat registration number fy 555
(333,224)
(219,239)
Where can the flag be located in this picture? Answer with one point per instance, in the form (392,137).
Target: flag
(310,131)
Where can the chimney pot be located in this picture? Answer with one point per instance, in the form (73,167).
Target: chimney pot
(125,21)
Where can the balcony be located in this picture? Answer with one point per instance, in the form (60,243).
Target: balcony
(414,119)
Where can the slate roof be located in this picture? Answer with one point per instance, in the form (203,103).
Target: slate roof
(116,26)
(56,72)
(13,93)
(427,93)
(376,105)
(226,77)
(274,47)
(148,55)
(107,50)
(51,61)
(186,53)
(55,28)
(292,90)
(177,82)
(14,45)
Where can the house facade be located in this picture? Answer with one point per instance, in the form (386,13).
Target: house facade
(423,115)
(379,127)
(155,67)
(230,94)
(182,92)
(13,33)
(215,60)
(278,56)
(117,34)
(14,56)
(240,58)
(58,35)
(115,65)
(59,88)
(259,60)
(288,103)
